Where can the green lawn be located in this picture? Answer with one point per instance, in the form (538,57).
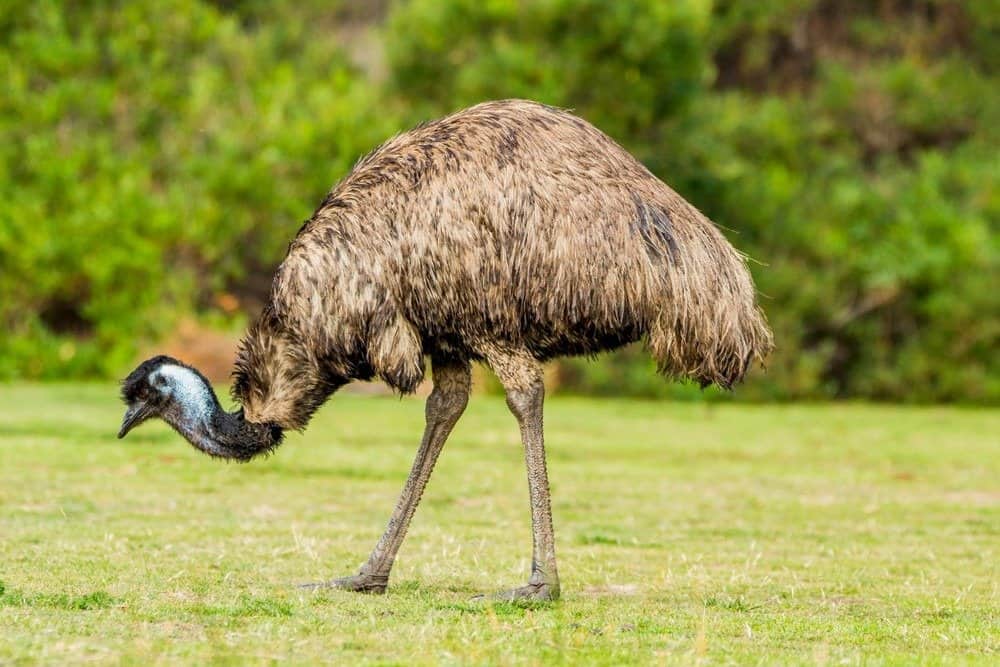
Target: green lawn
(730,534)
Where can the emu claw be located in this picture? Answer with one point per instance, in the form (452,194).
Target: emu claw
(358,583)
(534,592)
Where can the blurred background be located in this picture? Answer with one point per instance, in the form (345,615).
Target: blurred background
(157,156)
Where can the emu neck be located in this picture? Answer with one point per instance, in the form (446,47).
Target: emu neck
(195,413)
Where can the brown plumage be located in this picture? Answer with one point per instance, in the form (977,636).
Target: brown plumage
(509,224)
(510,233)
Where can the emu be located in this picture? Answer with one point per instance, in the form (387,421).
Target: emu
(509,233)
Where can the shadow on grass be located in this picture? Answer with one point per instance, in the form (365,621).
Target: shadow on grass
(246,605)
(430,597)
(588,539)
(735,604)
(95,600)
(506,609)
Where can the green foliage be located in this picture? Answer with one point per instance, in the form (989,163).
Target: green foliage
(628,64)
(153,153)
(158,154)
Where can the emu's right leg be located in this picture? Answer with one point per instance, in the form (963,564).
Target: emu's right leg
(521,376)
(452,381)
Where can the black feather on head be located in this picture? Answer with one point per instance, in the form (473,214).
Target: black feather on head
(136,385)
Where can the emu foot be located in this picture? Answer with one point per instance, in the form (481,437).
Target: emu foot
(540,592)
(358,583)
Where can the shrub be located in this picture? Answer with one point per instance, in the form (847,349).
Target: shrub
(156,154)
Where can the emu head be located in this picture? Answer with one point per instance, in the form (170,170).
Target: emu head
(181,396)
(166,388)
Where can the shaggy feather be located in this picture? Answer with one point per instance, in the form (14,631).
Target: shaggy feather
(508,224)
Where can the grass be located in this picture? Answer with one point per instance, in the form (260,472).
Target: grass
(686,532)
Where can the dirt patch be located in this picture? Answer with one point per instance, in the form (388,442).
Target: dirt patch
(210,351)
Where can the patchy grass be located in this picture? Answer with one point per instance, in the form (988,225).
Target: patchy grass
(741,534)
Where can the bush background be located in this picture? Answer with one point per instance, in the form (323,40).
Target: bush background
(157,156)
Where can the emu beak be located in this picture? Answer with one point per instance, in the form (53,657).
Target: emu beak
(134,415)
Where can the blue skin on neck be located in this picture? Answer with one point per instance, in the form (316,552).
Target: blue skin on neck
(196,402)
(188,390)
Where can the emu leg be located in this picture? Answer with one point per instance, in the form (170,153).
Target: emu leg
(445,405)
(521,376)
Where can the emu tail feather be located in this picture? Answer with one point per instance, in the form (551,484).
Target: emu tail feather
(709,327)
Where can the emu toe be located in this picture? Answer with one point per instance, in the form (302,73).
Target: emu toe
(358,583)
(540,592)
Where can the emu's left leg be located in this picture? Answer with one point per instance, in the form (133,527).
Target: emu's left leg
(521,376)
(452,381)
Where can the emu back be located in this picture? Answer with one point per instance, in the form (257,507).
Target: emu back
(508,225)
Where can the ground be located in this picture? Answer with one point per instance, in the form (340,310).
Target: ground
(686,532)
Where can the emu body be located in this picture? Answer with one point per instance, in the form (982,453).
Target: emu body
(509,233)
